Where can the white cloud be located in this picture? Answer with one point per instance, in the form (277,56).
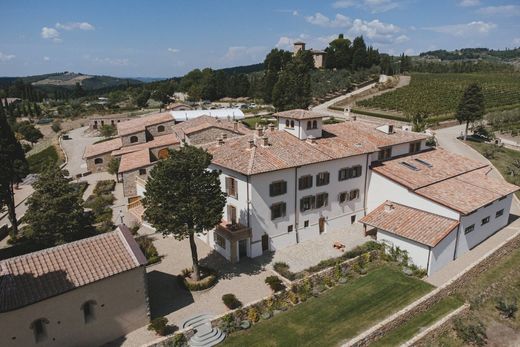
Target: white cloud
(516,41)
(75,25)
(6,57)
(374,6)
(469,3)
(324,21)
(465,30)
(51,34)
(173,50)
(505,10)
(377,31)
(286,42)
(46,58)
(245,53)
(295,13)
(410,51)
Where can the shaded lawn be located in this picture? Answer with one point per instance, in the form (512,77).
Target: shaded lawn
(338,314)
(41,160)
(502,158)
(406,331)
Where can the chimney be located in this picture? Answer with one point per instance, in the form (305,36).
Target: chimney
(265,141)
(271,127)
(224,136)
(235,126)
(220,141)
(259,130)
(311,139)
(389,207)
(251,143)
(390,128)
(354,117)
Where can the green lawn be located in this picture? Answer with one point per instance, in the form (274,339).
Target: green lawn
(39,161)
(252,121)
(406,331)
(340,313)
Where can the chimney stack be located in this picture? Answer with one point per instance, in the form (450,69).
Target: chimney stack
(311,139)
(265,141)
(224,136)
(389,207)
(251,143)
(235,126)
(220,141)
(259,130)
(271,127)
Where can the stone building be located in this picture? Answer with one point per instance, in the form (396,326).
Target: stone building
(96,122)
(99,154)
(84,293)
(317,55)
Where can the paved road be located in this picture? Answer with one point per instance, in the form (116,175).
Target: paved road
(75,147)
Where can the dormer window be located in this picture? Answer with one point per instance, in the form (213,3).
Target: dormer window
(385,153)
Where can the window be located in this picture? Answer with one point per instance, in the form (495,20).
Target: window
(355,171)
(315,124)
(352,219)
(307,203)
(343,197)
(322,179)
(305,182)
(469,229)
(343,174)
(277,188)
(142,171)
(485,220)
(88,311)
(290,229)
(309,125)
(39,329)
(278,210)
(499,213)
(350,172)
(292,124)
(354,194)
(98,161)
(219,240)
(322,200)
(287,125)
(232,214)
(134,139)
(231,187)
(385,153)
(415,147)
(306,224)
(160,128)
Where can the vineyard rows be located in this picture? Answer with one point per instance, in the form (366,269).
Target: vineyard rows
(439,94)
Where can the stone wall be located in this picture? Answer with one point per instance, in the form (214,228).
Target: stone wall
(92,167)
(141,136)
(152,129)
(129,188)
(427,301)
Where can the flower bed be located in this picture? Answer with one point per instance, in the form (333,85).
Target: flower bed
(208,278)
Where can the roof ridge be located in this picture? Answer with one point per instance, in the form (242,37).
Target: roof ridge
(456,176)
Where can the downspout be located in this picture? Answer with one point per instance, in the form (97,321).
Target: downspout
(366,192)
(296,204)
(428,263)
(457,241)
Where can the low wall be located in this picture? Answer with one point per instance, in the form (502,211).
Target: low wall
(427,301)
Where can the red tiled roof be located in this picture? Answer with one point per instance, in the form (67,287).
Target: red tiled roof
(285,150)
(299,114)
(102,147)
(140,124)
(417,225)
(158,141)
(36,276)
(449,179)
(134,160)
(206,122)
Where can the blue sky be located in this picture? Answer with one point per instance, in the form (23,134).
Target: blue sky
(168,38)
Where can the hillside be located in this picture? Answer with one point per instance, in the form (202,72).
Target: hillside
(506,55)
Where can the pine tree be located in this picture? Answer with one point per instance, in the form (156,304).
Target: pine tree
(14,169)
(471,106)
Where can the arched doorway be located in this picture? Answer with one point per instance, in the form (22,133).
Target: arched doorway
(163,153)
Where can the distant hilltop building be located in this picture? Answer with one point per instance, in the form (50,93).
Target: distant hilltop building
(318,56)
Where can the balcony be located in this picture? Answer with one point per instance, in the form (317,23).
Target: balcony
(233,232)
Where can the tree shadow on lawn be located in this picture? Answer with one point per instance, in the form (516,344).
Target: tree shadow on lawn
(228,270)
(166,294)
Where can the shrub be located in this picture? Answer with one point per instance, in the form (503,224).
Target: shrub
(231,301)
(148,248)
(159,325)
(292,297)
(56,126)
(178,340)
(104,187)
(275,283)
(253,315)
(471,333)
(283,269)
(208,279)
(507,308)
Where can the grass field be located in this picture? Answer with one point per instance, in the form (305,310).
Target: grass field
(340,313)
(39,161)
(413,326)
(439,94)
(252,121)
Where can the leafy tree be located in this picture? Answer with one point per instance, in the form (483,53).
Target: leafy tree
(471,107)
(29,132)
(107,130)
(339,53)
(55,213)
(293,88)
(359,53)
(184,198)
(113,166)
(274,62)
(142,98)
(14,169)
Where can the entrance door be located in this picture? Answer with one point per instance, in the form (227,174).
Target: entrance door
(163,153)
(322,225)
(265,242)
(242,249)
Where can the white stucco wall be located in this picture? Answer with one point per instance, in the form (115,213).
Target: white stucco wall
(300,128)
(417,252)
(482,232)
(382,189)
(442,254)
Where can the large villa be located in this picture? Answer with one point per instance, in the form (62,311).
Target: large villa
(295,181)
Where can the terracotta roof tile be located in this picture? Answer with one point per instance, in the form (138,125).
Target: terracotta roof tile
(134,160)
(417,225)
(102,147)
(299,114)
(39,275)
(206,122)
(158,141)
(140,124)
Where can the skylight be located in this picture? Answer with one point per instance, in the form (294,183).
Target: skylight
(410,166)
(424,162)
